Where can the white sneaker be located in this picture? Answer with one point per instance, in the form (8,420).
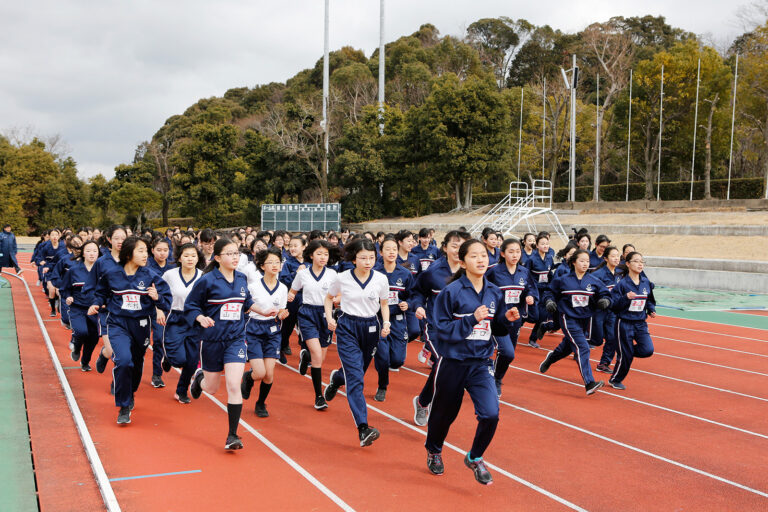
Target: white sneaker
(423,356)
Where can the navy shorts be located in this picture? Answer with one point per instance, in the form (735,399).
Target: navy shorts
(263,338)
(215,354)
(312,324)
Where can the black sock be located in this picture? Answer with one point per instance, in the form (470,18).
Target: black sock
(362,427)
(263,392)
(52,302)
(234,411)
(317,380)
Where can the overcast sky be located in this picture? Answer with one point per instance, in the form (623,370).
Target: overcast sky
(105,75)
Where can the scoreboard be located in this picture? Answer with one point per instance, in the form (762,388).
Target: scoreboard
(301,217)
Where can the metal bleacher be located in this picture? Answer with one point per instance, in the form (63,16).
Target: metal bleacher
(520,210)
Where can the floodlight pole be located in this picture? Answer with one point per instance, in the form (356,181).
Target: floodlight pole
(325,86)
(596,181)
(574,73)
(381,67)
(733,123)
(661,130)
(543,129)
(695,126)
(629,132)
(520,133)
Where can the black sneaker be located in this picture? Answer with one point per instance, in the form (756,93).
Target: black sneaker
(53,313)
(605,368)
(320,403)
(304,360)
(196,388)
(478,467)
(233,442)
(112,388)
(183,398)
(157,382)
(435,463)
(498,387)
(124,417)
(246,385)
(85,368)
(545,364)
(287,351)
(617,385)
(101,363)
(592,387)
(368,435)
(75,352)
(381,395)
(166,365)
(331,388)
(283,359)
(261,410)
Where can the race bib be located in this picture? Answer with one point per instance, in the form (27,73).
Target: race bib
(425,265)
(131,302)
(230,311)
(273,328)
(482,331)
(543,278)
(393,299)
(580,301)
(512,296)
(637,305)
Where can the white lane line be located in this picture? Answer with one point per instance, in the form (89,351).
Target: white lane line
(656,336)
(102,480)
(641,402)
(623,445)
(710,332)
(456,449)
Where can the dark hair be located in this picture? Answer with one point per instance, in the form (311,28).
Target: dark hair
(463,250)
(344,230)
(207,235)
(261,257)
(333,252)
(575,255)
(581,234)
(388,238)
(381,233)
(354,247)
(602,238)
(399,237)
(488,232)
(158,241)
(126,251)
(606,253)
(107,234)
(82,250)
(423,233)
(510,241)
(624,249)
(449,236)
(542,236)
(219,246)
(373,237)
(562,253)
(279,233)
(71,246)
(300,239)
(190,245)
(316,234)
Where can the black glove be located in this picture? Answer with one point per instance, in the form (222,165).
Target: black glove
(551,306)
(604,303)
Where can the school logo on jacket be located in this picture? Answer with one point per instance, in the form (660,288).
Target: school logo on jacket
(399,282)
(141,285)
(242,291)
(492,308)
(645,291)
(522,281)
(589,287)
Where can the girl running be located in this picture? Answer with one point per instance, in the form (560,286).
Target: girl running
(575,296)
(489,240)
(540,264)
(633,303)
(410,261)
(216,306)
(180,348)
(50,254)
(426,253)
(315,282)
(113,240)
(364,294)
(159,264)
(132,295)
(293,262)
(392,349)
(529,245)
(85,328)
(467,313)
(596,255)
(262,333)
(604,322)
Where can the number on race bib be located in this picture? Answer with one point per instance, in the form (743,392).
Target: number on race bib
(637,305)
(131,302)
(230,311)
(543,278)
(482,331)
(580,301)
(393,299)
(512,296)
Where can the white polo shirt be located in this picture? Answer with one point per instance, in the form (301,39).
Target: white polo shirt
(179,288)
(315,287)
(358,298)
(266,299)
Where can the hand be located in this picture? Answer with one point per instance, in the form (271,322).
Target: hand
(420,313)
(152,292)
(551,306)
(205,321)
(403,306)
(652,314)
(69,301)
(331,324)
(160,317)
(385,331)
(282,314)
(481,313)
(512,314)
(529,300)
(291,296)
(604,303)
(336,300)
(45,270)
(631,295)
(93,310)
(271,312)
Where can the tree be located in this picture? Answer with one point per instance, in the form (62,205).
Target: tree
(753,96)
(497,40)
(134,200)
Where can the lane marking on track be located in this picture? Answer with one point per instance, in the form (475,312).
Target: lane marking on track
(456,449)
(641,402)
(120,479)
(716,333)
(709,346)
(623,445)
(107,493)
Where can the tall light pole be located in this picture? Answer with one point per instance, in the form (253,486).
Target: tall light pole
(661,131)
(543,129)
(572,165)
(629,132)
(520,133)
(596,181)
(695,126)
(381,67)
(325,86)
(733,123)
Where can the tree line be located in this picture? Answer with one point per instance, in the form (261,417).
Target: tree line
(451,126)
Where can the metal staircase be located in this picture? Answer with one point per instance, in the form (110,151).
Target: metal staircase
(522,207)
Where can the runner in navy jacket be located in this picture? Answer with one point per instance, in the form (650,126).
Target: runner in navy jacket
(605,321)
(85,328)
(540,264)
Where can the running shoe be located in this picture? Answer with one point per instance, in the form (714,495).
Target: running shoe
(166,364)
(423,356)
(592,387)
(394,369)
(420,414)
(196,388)
(617,385)
(18,272)
(545,364)
(132,405)
(478,468)
(304,360)
(605,368)
(157,382)
(498,387)
(331,388)
(368,435)
(435,463)
(183,398)
(233,442)
(533,343)
(381,395)
(124,416)
(53,313)
(261,410)
(101,363)
(85,368)
(287,351)
(283,359)
(75,354)
(320,403)
(246,385)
